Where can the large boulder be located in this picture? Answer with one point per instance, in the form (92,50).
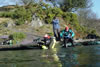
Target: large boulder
(92,36)
(36,22)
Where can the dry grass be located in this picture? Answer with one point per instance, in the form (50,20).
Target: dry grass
(4,19)
(47,28)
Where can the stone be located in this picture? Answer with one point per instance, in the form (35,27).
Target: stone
(36,22)
(9,23)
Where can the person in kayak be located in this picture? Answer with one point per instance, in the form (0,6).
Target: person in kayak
(47,40)
(67,36)
(43,42)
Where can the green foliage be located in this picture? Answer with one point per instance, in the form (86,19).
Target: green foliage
(6,14)
(57,11)
(73,17)
(84,29)
(71,5)
(20,21)
(40,13)
(17,36)
(27,2)
(51,12)
(70,18)
(51,34)
(66,16)
(92,31)
(49,18)
(22,13)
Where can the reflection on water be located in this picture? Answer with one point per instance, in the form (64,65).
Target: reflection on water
(83,56)
(86,56)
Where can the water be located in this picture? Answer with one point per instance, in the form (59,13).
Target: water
(81,56)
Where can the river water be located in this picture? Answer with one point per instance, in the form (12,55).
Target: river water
(80,56)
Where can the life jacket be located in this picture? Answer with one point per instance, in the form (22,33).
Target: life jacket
(66,33)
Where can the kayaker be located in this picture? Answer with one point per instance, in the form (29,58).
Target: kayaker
(67,35)
(47,40)
(43,42)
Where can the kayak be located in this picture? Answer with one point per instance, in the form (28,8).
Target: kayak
(28,46)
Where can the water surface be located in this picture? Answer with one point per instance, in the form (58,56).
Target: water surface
(81,56)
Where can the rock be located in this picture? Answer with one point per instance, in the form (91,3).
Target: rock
(9,23)
(36,22)
(92,36)
(26,22)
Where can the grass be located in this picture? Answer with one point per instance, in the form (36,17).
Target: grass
(4,19)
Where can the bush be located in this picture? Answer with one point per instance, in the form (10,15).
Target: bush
(67,16)
(73,18)
(50,13)
(57,11)
(20,21)
(92,31)
(6,14)
(17,36)
(22,13)
(49,18)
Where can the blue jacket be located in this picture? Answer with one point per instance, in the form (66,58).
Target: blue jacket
(70,33)
(55,23)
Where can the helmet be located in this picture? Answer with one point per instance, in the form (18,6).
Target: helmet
(66,28)
(46,35)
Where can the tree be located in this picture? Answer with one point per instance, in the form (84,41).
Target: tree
(27,2)
(71,5)
(87,17)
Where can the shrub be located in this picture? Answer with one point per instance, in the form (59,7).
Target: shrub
(17,36)
(92,31)
(49,18)
(67,16)
(73,18)
(57,11)
(22,13)
(6,14)
(20,21)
